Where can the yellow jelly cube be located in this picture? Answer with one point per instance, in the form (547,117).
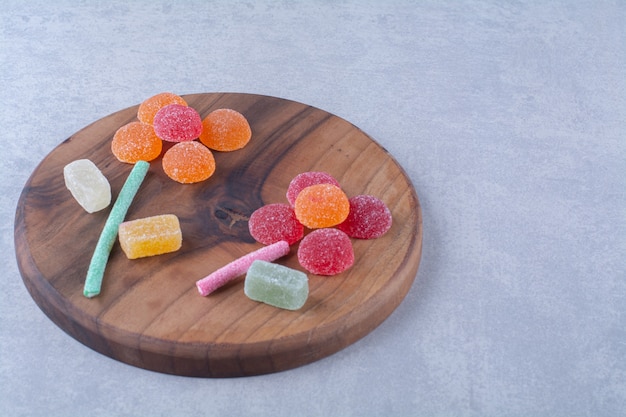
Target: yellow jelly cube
(150,236)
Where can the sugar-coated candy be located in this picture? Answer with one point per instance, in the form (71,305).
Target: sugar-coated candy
(369,218)
(274,222)
(321,205)
(276,285)
(136,141)
(87,185)
(177,123)
(150,236)
(188,162)
(225,130)
(306,179)
(150,106)
(240,266)
(97,265)
(326,252)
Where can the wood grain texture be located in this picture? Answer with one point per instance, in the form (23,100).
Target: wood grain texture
(150,314)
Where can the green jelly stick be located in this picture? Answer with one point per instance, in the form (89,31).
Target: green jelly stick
(100,257)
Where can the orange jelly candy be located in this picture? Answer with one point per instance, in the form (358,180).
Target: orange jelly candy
(321,205)
(188,162)
(225,130)
(150,106)
(134,142)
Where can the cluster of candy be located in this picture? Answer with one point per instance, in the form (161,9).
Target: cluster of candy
(167,117)
(316,201)
(138,238)
(163,117)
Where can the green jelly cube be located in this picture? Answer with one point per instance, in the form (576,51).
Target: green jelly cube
(276,285)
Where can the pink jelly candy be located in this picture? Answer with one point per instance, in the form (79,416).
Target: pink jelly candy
(306,179)
(369,218)
(274,222)
(177,123)
(326,252)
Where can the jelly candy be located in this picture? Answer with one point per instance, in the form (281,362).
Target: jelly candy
(149,107)
(177,123)
(136,141)
(97,265)
(225,130)
(150,236)
(276,285)
(274,222)
(369,218)
(240,266)
(326,252)
(306,179)
(87,185)
(321,205)
(188,162)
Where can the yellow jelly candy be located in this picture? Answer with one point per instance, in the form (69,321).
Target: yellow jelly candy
(150,236)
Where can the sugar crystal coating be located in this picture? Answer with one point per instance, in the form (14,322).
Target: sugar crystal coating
(225,130)
(136,141)
(326,252)
(188,162)
(87,185)
(240,266)
(276,285)
(150,106)
(306,179)
(369,218)
(150,236)
(273,222)
(177,123)
(321,205)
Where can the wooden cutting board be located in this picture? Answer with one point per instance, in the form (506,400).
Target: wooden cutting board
(150,313)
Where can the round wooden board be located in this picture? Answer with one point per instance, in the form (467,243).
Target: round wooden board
(150,313)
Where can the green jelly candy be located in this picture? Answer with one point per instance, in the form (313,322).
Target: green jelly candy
(276,285)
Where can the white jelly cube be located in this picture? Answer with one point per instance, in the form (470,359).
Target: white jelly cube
(87,184)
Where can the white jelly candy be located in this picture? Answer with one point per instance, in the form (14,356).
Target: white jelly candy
(87,184)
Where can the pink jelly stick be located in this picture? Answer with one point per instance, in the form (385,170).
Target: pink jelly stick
(240,266)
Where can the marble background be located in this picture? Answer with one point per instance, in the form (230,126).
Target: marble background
(510,119)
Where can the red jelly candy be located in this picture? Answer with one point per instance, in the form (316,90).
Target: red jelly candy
(369,218)
(306,179)
(177,123)
(275,222)
(326,252)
